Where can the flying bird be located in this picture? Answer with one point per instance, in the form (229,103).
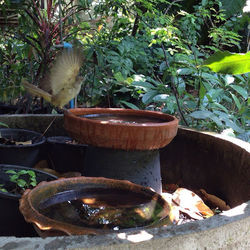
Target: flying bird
(63,83)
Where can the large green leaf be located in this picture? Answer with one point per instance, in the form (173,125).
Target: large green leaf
(229,63)
(204,114)
(144,85)
(236,100)
(240,90)
(161,98)
(130,105)
(148,97)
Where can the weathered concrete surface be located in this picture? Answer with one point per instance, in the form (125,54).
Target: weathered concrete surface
(197,160)
(229,230)
(36,122)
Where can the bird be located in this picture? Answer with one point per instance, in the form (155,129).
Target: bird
(63,82)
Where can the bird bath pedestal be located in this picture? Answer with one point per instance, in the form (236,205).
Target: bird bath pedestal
(123,144)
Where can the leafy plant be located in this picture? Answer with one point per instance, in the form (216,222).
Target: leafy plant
(47,27)
(148,55)
(2,189)
(3,125)
(28,50)
(14,63)
(23,179)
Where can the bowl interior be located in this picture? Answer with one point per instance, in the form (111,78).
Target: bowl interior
(99,204)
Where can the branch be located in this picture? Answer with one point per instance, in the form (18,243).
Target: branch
(170,6)
(136,25)
(173,88)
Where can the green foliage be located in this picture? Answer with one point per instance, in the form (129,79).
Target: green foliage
(42,28)
(148,55)
(2,189)
(14,63)
(28,50)
(3,125)
(233,6)
(229,63)
(23,179)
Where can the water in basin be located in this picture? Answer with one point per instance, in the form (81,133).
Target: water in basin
(123,118)
(104,209)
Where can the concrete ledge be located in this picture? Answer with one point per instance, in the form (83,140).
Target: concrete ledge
(229,230)
(36,122)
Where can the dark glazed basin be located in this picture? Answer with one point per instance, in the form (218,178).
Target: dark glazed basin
(120,128)
(97,206)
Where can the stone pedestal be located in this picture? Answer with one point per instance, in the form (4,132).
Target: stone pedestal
(140,167)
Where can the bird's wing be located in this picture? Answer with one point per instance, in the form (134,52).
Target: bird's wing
(67,94)
(32,89)
(65,70)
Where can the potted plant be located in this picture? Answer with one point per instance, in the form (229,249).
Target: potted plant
(65,154)
(14,180)
(20,147)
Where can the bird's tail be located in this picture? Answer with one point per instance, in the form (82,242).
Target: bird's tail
(32,89)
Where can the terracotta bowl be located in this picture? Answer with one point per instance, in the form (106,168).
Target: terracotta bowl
(47,206)
(120,128)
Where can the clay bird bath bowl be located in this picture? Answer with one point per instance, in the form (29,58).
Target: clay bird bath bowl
(125,129)
(83,205)
(123,143)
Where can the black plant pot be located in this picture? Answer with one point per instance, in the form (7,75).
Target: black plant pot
(7,109)
(12,222)
(64,156)
(22,155)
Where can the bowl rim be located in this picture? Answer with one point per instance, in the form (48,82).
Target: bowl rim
(47,223)
(40,136)
(170,120)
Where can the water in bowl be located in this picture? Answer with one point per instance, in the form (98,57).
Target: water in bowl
(104,209)
(123,118)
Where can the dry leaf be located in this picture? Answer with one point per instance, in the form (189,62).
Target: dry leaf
(167,197)
(174,210)
(174,214)
(23,142)
(43,165)
(214,200)
(49,170)
(191,204)
(192,214)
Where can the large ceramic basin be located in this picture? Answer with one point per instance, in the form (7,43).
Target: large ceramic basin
(82,205)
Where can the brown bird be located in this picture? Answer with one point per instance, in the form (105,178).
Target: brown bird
(63,83)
